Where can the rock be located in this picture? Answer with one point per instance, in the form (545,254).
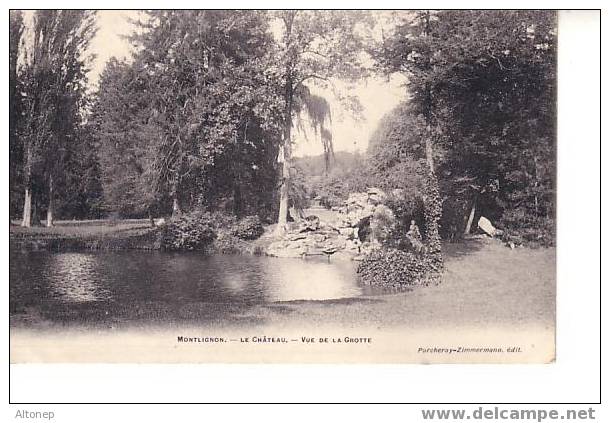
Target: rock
(310,224)
(357,198)
(358,217)
(296,237)
(375,196)
(351,245)
(297,215)
(486,226)
(292,226)
(382,222)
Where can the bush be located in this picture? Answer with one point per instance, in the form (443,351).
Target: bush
(192,231)
(396,268)
(522,228)
(248,228)
(227,243)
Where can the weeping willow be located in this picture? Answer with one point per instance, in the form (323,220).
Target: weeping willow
(314,110)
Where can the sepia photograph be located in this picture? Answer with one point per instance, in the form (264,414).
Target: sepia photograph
(282,186)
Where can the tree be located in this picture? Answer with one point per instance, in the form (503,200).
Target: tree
(487,79)
(312,46)
(411,49)
(15,103)
(120,126)
(209,88)
(54,86)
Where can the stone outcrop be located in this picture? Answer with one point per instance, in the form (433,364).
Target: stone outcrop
(356,226)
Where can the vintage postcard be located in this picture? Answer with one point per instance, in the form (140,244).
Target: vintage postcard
(288,186)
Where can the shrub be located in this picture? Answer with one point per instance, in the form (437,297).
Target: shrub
(222,220)
(248,228)
(396,268)
(522,228)
(227,243)
(192,231)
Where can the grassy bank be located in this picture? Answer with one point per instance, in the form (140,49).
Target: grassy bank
(127,234)
(85,235)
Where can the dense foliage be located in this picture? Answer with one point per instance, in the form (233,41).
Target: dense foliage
(484,84)
(329,181)
(52,160)
(248,228)
(188,232)
(395,268)
(202,115)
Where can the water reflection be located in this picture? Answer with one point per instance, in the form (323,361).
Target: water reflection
(129,283)
(314,279)
(73,277)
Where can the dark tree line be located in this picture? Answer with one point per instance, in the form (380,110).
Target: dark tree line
(204,113)
(482,107)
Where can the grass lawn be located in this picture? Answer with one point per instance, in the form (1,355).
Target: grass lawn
(82,229)
(484,283)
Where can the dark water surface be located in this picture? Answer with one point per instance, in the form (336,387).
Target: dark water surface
(80,286)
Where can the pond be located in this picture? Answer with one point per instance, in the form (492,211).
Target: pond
(79,286)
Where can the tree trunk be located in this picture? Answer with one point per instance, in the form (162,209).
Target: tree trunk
(176,209)
(27,203)
(27,209)
(50,209)
(35,213)
(237,199)
(284,189)
(429,152)
(286,158)
(471,216)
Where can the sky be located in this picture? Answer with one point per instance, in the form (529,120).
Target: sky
(377,95)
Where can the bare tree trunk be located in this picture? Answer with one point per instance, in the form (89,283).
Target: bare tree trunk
(50,209)
(27,203)
(176,209)
(284,189)
(471,217)
(286,157)
(27,209)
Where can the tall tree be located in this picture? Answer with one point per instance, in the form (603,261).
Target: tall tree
(312,46)
(411,49)
(485,81)
(120,124)
(54,85)
(205,71)
(15,103)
